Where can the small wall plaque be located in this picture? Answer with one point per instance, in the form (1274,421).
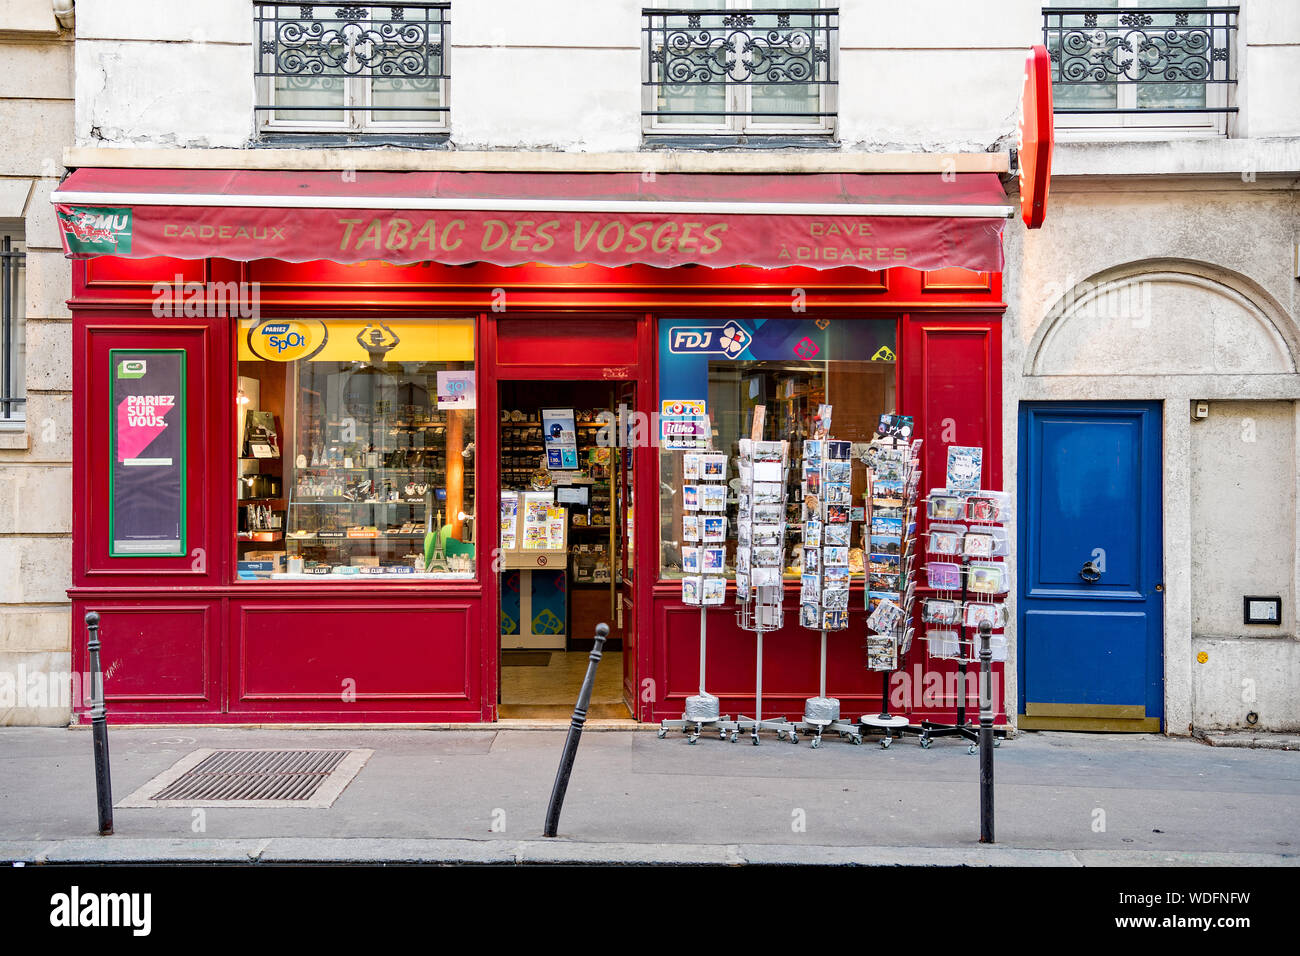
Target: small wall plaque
(1257,609)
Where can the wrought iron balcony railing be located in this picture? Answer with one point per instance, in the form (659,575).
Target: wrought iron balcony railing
(352,65)
(1175,59)
(734,67)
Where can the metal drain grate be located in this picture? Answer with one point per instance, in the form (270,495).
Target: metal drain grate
(252,778)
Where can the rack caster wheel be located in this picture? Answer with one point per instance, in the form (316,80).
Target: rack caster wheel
(925,743)
(856,740)
(755,738)
(662,733)
(735,737)
(692,738)
(997,742)
(722,735)
(794,738)
(816,743)
(885,742)
(972,749)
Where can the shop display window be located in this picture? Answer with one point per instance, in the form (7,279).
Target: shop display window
(355,441)
(790,366)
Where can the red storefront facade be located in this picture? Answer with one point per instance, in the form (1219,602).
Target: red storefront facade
(187,641)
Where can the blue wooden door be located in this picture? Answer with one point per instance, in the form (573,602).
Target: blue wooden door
(1091,585)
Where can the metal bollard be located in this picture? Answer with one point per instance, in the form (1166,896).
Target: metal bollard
(986,734)
(575,732)
(99,729)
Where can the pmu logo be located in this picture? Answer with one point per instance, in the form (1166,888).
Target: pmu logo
(729,340)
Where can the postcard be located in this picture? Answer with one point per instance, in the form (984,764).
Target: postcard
(691,560)
(812,533)
(882,652)
(836,557)
(715,527)
(812,450)
(715,590)
(713,467)
(987,578)
(812,559)
(691,591)
(810,589)
(768,471)
(837,493)
(690,527)
(837,598)
(976,545)
(691,497)
(836,514)
(769,514)
(885,544)
(833,620)
(712,560)
(690,467)
(743,586)
(810,616)
(765,557)
(889,527)
(713,497)
(886,616)
(943,575)
(768,492)
(895,426)
(965,467)
(976,613)
(765,577)
(838,534)
(944,506)
(939,611)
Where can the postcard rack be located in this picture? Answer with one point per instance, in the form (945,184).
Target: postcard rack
(760,558)
(966,543)
(889,540)
(704,542)
(827,514)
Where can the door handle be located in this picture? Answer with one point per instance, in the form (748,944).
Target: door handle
(1090,572)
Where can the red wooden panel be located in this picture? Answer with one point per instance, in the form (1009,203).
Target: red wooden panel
(400,657)
(110,272)
(209,456)
(157,656)
(956,280)
(563,341)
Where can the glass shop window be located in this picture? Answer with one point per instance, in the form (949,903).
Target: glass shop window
(790,366)
(355,442)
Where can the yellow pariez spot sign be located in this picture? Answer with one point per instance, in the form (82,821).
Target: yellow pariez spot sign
(336,340)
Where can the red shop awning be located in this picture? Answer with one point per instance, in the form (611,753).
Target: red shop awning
(823,220)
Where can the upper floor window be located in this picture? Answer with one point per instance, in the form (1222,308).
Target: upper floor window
(344,68)
(1144,65)
(740,67)
(13,341)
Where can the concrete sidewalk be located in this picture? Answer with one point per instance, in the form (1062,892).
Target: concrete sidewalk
(480,796)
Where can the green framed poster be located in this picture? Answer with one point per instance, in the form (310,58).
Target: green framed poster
(146,483)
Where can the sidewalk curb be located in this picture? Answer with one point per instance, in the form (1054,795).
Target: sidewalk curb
(290,850)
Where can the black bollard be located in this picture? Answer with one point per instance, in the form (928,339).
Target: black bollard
(575,732)
(986,734)
(99,729)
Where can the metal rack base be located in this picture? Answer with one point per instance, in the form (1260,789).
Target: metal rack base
(724,725)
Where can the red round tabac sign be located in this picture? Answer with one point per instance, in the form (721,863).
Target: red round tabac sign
(1037,135)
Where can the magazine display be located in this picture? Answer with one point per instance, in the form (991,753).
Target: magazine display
(704,528)
(760,533)
(827,474)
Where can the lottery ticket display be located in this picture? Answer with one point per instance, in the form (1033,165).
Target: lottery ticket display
(827,528)
(704,528)
(889,540)
(760,533)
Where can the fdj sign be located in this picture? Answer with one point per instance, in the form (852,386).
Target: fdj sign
(728,340)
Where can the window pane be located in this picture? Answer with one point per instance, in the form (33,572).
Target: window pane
(308,59)
(850,364)
(348,464)
(1080,50)
(13,328)
(787,48)
(688,60)
(406,63)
